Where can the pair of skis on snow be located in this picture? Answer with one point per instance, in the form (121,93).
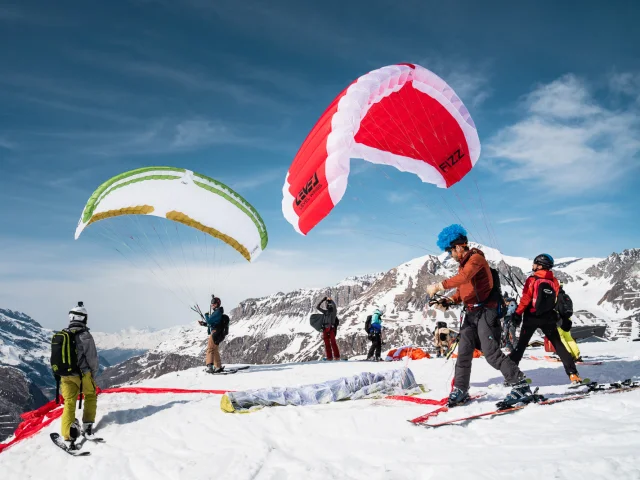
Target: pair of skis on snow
(74,449)
(592,387)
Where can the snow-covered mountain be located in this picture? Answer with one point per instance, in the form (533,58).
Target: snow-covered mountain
(276,328)
(25,345)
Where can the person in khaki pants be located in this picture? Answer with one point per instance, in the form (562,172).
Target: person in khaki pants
(71,386)
(213,320)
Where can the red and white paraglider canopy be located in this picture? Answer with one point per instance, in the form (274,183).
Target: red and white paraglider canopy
(402,115)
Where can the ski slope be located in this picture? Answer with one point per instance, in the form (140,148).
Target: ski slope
(171,436)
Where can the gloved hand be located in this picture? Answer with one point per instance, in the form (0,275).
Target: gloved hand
(566,324)
(434,288)
(204,324)
(516,319)
(442,304)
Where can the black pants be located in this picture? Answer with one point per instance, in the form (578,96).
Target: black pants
(549,327)
(481,329)
(376,344)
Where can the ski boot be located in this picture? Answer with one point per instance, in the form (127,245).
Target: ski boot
(520,394)
(74,433)
(457,397)
(87,429)
(210,368)
(575,379)
(218,370)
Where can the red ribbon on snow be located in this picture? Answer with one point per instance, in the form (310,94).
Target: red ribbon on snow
(36,420)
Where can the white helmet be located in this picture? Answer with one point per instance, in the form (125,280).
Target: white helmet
(78,313)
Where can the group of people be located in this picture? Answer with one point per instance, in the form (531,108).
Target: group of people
(474,289)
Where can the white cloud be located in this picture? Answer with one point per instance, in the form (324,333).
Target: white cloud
(626,83)
(193,133)
(588,209)
(258,179)
(469,81)
(399,197)
(568,141)
(4,143)
(513,220)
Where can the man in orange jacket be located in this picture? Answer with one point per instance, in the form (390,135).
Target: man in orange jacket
(537,310)
(481,326)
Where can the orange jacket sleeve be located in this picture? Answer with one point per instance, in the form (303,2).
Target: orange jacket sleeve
(465,274)
(527,296)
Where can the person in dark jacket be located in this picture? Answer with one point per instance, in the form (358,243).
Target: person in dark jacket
(441,336)
(481,326)
(546,321)
(72,385)
(329,328)
(213,322)
(375,335)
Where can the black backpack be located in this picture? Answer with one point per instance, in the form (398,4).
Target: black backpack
(222,331)
(544,296)
(496,293)
(367,323)
(564,305)
(64,356)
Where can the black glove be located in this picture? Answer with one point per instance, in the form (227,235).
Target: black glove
(566,324)
(516,319)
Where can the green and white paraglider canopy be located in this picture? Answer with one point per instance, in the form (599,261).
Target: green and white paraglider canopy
(182,196)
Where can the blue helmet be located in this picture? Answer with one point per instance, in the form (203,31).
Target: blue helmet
(544,260)
(452,235)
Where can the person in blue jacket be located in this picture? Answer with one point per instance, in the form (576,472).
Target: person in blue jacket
(375,335)
(509,327)
(213,322)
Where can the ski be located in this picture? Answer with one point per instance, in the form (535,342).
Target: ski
(624,386)
(230,371)
(57,440)
(585,381)
(423,418)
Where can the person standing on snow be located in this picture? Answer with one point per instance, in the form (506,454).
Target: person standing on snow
(441,339)
(474,284)
(509,328)
(375,335)
(213,322)
(84,382)
(537,310)
(329,328)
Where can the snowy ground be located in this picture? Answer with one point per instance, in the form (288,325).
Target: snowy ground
(188,436)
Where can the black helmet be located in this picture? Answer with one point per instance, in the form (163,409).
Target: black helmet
(544,260)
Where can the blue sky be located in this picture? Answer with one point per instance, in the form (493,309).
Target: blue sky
(230,89)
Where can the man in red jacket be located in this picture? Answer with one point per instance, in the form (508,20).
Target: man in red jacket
(537,310)
(481,326)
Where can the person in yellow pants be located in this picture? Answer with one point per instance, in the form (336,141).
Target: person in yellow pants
(72,385)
